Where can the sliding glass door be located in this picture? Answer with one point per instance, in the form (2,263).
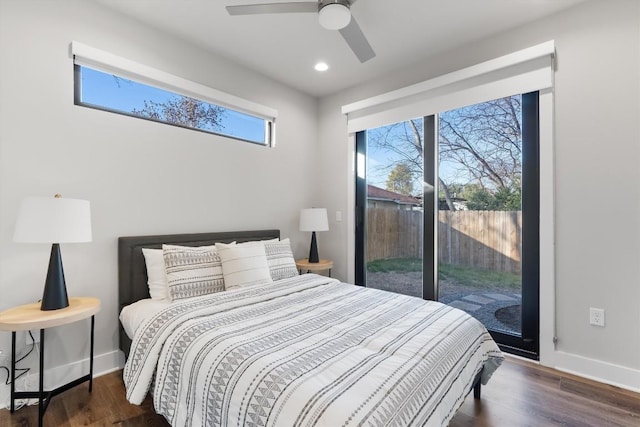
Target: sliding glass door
(488,216)
(448,209)
(392,207)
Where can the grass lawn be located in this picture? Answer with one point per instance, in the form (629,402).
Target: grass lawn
(468,276)
(404,265)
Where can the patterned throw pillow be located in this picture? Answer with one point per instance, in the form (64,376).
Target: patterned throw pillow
(244,264)
(282,265)
(192,271)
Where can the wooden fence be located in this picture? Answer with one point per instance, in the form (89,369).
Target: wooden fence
(393,233)
(485,239)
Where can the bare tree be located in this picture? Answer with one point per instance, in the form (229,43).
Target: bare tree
(405,139)
(482,141)
(486,141)
(184,111)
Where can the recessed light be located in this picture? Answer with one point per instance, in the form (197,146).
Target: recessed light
(321,66)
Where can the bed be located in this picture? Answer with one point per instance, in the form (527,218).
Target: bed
(304,350)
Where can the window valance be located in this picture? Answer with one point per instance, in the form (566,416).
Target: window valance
(520,72)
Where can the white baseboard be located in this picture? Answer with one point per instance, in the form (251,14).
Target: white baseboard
(597,370)
(59,375)
(102,364)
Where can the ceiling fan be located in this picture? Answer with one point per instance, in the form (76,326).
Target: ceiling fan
(332,15)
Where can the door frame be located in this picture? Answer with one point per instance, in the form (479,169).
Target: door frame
(527,345)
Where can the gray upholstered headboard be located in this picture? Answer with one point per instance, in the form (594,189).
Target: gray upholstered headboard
(132,272)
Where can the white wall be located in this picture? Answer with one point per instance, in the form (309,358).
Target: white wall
(597,148)
(141,177)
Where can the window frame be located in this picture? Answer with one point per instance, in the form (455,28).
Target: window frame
(77,100)
(105,62)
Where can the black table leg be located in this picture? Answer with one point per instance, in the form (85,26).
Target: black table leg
(13,371)
(44,397)
(41,407)
(91,356)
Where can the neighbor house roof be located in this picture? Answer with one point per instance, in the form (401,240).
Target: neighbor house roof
(377,193)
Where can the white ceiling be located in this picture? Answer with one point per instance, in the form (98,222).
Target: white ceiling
(287,46)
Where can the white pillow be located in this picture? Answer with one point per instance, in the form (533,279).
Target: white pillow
(192,271)
(244,264)
(157,280)
(280,259)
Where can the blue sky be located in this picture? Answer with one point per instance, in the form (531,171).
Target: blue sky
(125,95)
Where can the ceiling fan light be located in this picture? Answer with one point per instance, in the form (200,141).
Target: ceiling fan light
(321,66)
(334,16)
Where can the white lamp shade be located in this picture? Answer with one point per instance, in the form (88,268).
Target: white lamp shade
(314,219)
(53,220)
(334,16)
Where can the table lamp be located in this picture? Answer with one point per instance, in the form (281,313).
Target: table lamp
(53,220)
(313,219)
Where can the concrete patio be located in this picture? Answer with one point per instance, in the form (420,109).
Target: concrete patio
(497,308)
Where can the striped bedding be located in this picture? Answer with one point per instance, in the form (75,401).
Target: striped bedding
(308,351)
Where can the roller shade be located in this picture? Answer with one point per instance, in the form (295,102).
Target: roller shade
(109,63)
(519,72)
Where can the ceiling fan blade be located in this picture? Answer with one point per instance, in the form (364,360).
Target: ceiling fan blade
(255,9)
(356,40)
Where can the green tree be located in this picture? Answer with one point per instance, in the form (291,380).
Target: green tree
(508,199)
(400,179)
(503,199)
(184,111)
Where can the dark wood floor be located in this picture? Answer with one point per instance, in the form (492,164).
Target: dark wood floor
(519,394)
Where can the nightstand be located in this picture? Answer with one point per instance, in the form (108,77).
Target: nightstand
(322,265)
(29,316)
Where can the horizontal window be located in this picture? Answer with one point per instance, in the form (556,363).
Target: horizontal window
(112,83)
(109,92)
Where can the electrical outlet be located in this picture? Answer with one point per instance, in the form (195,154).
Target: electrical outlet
(596,316)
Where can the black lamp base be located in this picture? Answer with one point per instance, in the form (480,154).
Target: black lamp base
(55,288)
(313,251)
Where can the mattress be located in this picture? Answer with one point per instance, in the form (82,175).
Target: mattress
(308,351)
